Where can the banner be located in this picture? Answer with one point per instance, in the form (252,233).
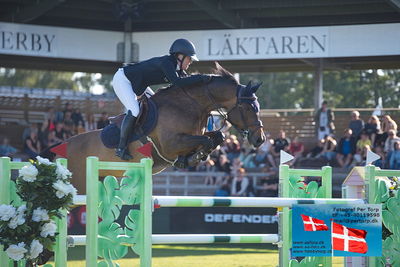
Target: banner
(337,230)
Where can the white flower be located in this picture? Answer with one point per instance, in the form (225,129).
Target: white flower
(19,218)
(16,252)
(43,161)
(36,249)
(40,214)
(6,212)
(72,190)
(62,172)
(64,189)
(48,229)
(28,173)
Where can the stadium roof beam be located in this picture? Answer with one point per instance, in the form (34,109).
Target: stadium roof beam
(228,18)
(395,4)
(32,12)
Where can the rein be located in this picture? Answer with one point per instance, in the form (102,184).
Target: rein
(239,105)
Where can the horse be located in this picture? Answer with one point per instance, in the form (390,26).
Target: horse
(180,127)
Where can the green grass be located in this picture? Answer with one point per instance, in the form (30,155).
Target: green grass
(221,255)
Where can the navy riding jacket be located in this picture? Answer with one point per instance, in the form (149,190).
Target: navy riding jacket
(158,70)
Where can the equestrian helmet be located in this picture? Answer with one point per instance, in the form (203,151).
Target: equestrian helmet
(185,47)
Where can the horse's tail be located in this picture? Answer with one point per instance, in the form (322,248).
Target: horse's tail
(51,151)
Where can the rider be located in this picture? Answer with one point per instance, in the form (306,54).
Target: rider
(132,81)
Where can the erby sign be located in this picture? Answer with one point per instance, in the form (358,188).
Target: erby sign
(31,42)
(267,43)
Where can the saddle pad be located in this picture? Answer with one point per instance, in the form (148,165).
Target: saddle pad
(111,133)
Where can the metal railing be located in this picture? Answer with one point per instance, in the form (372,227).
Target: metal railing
(191,182)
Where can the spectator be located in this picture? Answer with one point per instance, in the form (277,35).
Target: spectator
(32,145)
(372,128)
(296,149)
(90,124)
(240,184)
(280,143)
(68,122)
(6,150)
(389,143)
(387,124)
(361,155)
(346,148)
(266,148)
(103,121)
(382,161)
(269,188)
(329,149)
(223,165)
(207,166)
(232,147)
(77,118)
(364,141)
(59,131)
(395,157)
(222,191)
(324,118)
(356,124)
(317,150)
(68,108)
(50,118)
(52,139)
(236,165)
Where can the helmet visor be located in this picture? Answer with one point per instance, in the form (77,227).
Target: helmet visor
(194,58)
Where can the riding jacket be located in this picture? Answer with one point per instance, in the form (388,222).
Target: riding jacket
(158,70)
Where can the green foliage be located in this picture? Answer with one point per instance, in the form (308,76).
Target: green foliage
(343,89)
(113,195)
(391,220)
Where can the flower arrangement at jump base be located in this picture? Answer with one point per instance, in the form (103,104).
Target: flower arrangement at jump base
(29,229)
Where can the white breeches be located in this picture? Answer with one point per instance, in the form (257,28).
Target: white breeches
(124,91)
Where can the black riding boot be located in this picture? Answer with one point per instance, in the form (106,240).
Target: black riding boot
(126,128)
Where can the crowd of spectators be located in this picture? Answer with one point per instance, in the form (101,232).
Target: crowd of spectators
(343,150)
(228,165)
(57,126)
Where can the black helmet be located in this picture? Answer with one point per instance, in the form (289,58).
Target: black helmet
(185,47)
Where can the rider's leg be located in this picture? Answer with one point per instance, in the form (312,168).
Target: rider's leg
(123,90)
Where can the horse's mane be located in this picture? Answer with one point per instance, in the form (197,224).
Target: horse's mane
(220,71)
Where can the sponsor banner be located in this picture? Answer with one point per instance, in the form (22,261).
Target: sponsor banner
(337,230)
(44,41)
(237,44)
(218,220)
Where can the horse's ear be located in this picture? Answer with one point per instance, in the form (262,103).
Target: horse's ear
(255,87)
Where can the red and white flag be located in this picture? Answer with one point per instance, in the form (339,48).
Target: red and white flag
(349,239)
(312,224)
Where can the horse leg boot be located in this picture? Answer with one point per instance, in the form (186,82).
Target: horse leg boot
(189,145)
(126,128)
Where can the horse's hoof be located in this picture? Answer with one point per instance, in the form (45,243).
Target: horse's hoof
(180,162)
(45,256)
(123,154)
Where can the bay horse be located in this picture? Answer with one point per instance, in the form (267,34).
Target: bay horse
(180,129)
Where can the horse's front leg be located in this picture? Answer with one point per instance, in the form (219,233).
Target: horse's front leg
(201,152)
(191,147)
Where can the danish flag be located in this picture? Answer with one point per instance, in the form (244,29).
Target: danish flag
(312,224)
(349,239)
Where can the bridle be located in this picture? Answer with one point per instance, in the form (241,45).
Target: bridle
(239,104)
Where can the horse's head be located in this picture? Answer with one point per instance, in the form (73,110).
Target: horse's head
(245,114)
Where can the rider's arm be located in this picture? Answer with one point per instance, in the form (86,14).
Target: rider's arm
(172,76)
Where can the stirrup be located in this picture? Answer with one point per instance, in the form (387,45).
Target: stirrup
(123,153)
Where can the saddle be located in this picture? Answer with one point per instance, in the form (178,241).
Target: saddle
(145,123)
